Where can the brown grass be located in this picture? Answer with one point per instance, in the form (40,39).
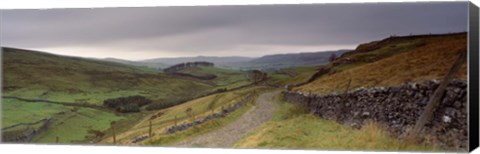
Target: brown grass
(431,61)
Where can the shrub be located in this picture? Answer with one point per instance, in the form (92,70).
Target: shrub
(127,104)
(297,110)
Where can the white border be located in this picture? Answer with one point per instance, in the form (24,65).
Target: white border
(73,149)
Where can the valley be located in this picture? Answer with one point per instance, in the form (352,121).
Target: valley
(240,102)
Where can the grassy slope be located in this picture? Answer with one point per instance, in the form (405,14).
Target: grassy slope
(292,75)
(405,60)
(71,127)
(432,60)
(14,111)
(293,128)
(225,78)
(150,65)
(40,75)
(199,106)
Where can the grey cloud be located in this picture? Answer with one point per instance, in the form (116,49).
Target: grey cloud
(220,28)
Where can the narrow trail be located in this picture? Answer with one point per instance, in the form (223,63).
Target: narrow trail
(229,134)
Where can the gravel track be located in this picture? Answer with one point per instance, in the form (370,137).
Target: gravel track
(232,132)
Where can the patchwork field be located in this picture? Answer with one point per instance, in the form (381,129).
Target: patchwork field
(70,124)
(76,127)
(37,75)
(41,76)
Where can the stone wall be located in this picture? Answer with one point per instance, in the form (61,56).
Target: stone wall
(397,108)
(26,134)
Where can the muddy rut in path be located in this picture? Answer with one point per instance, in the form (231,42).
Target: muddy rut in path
(232,132)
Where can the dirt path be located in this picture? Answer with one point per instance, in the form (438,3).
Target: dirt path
(228,135)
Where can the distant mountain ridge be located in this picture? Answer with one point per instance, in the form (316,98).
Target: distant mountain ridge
(154,65)
(266,62)
(298,59)
(221,61)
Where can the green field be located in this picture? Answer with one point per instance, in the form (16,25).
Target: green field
(70,126)
(73,127)
(14,111)
(293,75)
(225,77)
(37,75)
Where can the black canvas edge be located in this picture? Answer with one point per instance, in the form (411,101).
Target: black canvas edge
(473,65)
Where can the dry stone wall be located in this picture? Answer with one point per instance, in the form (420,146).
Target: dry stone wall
(396,107)
(25,135)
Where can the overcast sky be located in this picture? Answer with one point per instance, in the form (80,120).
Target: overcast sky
(252,31)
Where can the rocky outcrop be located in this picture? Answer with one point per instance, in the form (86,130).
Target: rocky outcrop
(396,107)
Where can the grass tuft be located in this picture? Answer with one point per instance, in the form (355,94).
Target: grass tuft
(292,128)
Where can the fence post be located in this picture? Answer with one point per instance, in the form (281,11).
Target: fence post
(114,139)
(342,103)
(193,115)
(150,128)
(175,121)
(57,139)
(437,95)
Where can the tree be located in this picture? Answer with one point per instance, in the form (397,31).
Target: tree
(257,75)
(189,111)
(332,57)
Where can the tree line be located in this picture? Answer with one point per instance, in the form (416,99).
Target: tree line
(127,104)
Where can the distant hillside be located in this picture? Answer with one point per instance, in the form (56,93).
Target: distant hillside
(267,62)
(153,65)
(225,78)
(181,66)
(291,60)
(219,61)
(38,75)
(392,61)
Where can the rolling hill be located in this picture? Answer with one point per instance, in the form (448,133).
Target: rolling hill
(392,61)
(31,74)
(267,62)
(224,78)
(45,77)
(389,62)
(278,61)
(219,61)
(152,65)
